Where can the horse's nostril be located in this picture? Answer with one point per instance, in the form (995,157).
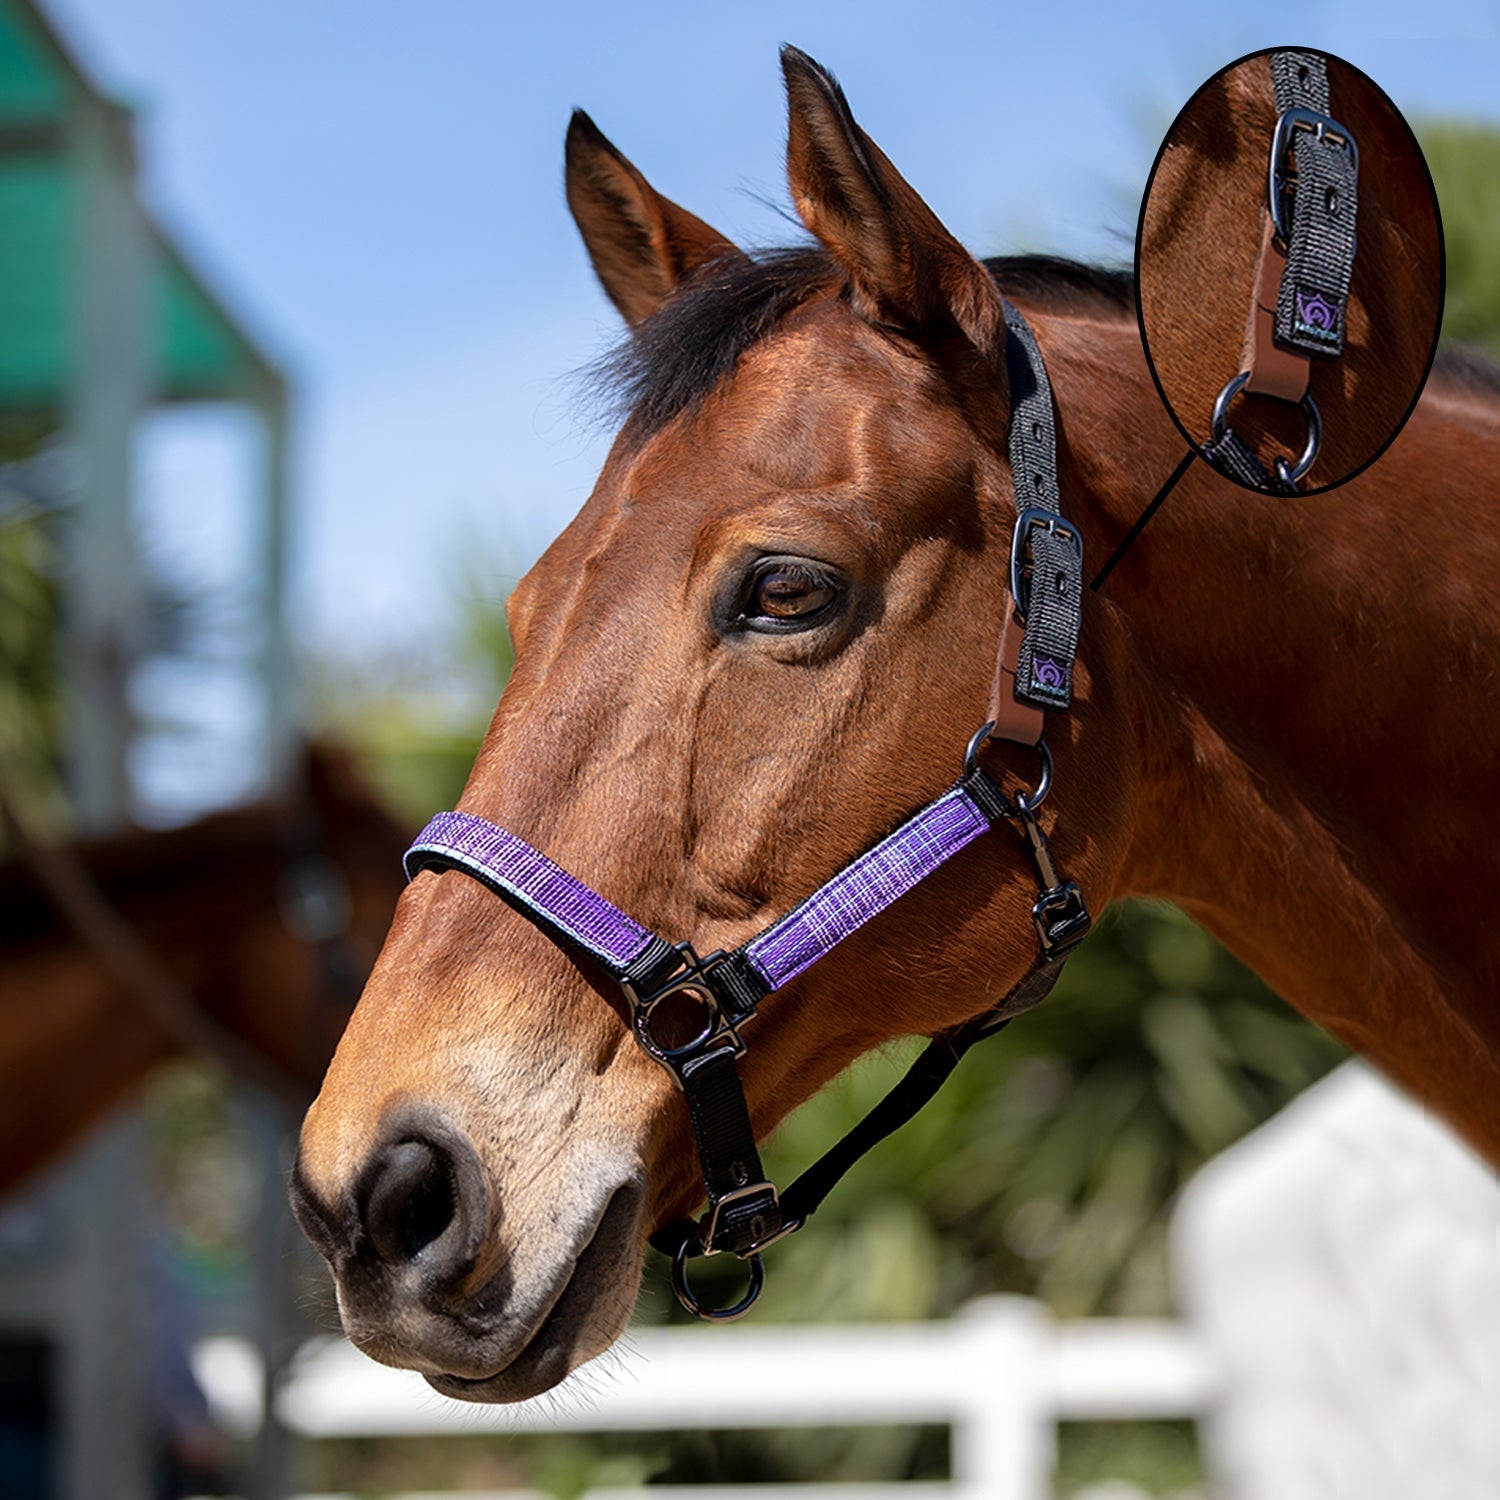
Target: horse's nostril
(411,1200)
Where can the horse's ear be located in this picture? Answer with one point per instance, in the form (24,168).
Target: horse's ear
(904,267)
(641,244)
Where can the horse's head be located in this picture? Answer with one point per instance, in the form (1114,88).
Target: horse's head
(762,642)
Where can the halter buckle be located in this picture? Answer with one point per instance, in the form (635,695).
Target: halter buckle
(1033,518)
(720,1023)
(708,1225)
(1280,180)
(1062,920)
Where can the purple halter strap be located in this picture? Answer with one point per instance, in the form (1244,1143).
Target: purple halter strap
(565,907)
(529,881)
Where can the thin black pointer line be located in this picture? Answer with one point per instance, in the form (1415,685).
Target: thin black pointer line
(1145,515)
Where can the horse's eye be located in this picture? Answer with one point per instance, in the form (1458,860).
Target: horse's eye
(787,591)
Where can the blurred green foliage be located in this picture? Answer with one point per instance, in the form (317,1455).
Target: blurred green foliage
(417,724)
(1465,163)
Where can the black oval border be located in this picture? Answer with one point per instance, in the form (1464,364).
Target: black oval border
(1437,212)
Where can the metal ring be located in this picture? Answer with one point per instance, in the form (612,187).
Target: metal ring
(1290,477)
(1044,785)
(1287,477)
(1221,404)
(712,1020)
(976,740)
(1044,755)
(715,1314)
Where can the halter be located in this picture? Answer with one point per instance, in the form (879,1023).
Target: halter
(1302,271)
(687,1011)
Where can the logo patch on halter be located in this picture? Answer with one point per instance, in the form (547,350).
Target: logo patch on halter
(1049,679)
(1318,317)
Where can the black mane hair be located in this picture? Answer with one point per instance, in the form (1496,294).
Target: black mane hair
(1467,368)
(672,361)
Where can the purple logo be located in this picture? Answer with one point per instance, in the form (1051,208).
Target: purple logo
(1317,316)
(1046,673)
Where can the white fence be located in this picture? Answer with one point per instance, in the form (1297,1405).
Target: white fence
(1342,1274)
(1002,1375)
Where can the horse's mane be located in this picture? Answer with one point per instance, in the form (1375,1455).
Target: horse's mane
(671,362)
(1465,368)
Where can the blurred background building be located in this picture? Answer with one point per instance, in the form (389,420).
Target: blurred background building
(108,661)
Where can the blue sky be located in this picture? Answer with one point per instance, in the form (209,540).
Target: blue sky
(376,188)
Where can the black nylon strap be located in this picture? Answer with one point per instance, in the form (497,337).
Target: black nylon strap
(1234,458)
(1053,606)
(1322,238)
(728,1153)
(932,1068)
(716,1118)
(739,987)
(918,1085)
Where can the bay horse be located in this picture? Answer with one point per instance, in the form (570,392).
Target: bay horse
(1202,219)
(766,638)
(218,905)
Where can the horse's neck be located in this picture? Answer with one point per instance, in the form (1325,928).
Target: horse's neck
(1317,682)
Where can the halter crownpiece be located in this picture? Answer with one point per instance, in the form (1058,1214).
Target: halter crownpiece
(687,1011)
(1302,271)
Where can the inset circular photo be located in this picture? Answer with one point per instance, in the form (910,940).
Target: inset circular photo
(1290,265)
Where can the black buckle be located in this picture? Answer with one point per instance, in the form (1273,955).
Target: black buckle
(708,1225)
(1279,183)
(722,1018)
(1029,520)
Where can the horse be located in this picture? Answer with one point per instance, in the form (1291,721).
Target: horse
(1203,219)
(265,918)
(765,639)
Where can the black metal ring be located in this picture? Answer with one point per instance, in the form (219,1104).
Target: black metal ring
(713,1014)
(1287,477)
(976,740)
(714,1314)
(1044,755)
